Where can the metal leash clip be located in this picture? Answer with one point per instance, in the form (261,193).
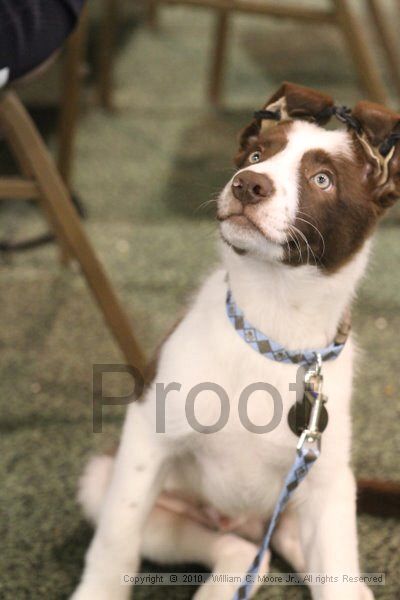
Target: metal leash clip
(313,389)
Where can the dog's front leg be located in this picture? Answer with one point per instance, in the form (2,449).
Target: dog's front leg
(328,530)
(134,486)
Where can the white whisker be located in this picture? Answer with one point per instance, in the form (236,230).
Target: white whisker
(206,203)
(296,241)
(288,246)
(316,229)
(309,249)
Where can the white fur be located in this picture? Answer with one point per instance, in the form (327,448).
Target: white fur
(237,472)
(93,485)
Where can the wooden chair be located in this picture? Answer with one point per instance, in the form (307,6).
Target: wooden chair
(340,14)
(42,182)
(72,74)
(106,52)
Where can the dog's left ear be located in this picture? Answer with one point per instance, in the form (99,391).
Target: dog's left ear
(379,139)
(298,102)
(290,101)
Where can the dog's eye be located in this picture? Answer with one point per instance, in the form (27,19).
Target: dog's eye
(255,157)
(322,180)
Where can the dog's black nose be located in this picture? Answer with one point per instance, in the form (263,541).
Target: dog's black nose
(250,187)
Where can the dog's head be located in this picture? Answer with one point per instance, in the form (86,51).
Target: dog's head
(305,194)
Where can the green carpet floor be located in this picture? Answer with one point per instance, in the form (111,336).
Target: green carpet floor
(144,173)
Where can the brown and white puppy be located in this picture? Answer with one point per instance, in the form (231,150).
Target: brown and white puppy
(297,220)
(342,207)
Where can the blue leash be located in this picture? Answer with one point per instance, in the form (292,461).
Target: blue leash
(303,462)
(308,450)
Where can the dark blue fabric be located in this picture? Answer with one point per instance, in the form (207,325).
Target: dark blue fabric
(31,30)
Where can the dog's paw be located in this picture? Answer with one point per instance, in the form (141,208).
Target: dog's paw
(88,592)
(235,555)
(366,593)
(93,591)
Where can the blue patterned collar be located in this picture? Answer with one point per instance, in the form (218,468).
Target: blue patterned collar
(274,351)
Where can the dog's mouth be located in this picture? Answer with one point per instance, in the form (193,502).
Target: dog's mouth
(241,222)
(239,219)
(244,223)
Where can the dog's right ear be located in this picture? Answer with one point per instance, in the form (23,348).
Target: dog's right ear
(291,101)
(379,140)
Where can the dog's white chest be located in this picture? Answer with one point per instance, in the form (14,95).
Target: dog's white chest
(234,464)
(239,474)
(238,462)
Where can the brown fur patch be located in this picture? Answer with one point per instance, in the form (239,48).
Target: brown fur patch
(337,221)
(268,143)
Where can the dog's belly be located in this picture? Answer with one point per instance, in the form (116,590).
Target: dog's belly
(236,477)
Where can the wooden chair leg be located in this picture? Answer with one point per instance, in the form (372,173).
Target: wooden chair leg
(362,56)
(218,57)
(152,14)
(26,170)
(387,39)
(31,151)
(69,107)
(378,497)
(106,52)
(70,96)
(27,189)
